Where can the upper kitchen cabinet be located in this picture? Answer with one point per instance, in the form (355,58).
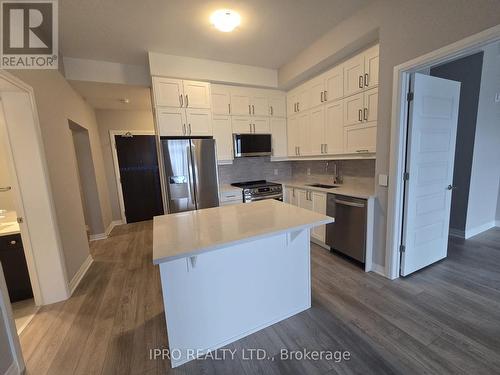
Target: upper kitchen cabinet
(293,135)
(361,71)
(221,100)
(223,135)
(334,128)
(260,103)
(361,108)
(181,94)
(277,105)
(298,100)
(199,122)
(171,122)
(316,91)
(278,137)
(251,102)
(334,84)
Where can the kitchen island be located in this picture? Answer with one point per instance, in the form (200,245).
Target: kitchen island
(227,272)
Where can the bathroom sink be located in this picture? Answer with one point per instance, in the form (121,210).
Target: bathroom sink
(323,186)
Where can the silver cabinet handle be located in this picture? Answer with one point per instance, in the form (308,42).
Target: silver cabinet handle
(249,109)
(5,189)
(360,82)
(298,106)
(366,79)
(250,127)
(326,148)
(322,148)
(189,125)
(360,115)
(324,95)
(181,101)
(298,149)
(253,109)
(272,111)
(365,114)
(362,151)
(229,108)
(187,101)
(184,129)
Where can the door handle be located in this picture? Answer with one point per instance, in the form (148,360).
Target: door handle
(365,114)
(360,115)
(298,148)
(5,189)
(451,187)
(360,82)
(322,147)
(366,79)
(362,151)
(187,101)
(181,101)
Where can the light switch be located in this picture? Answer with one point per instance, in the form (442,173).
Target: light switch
(383,180)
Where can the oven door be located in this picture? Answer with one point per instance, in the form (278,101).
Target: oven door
(246,145)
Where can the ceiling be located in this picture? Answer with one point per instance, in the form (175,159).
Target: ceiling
(107,95)
(271,33)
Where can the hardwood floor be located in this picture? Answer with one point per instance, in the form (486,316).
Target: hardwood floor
(442,320)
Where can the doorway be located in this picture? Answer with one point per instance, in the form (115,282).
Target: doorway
(137,172)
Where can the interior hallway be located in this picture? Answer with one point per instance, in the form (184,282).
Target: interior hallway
(441,320)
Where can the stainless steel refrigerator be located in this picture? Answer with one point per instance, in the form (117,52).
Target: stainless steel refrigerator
(190,167)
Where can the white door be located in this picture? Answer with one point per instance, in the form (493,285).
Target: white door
(241,124)
(353,109)
(316,92)
(360,139)
(221,101)
(223,137)
(334,128)
(240,103)
(278,134)
(261,125)
(304,199)
(171,121)
(334,84)
(304,134)
(430,157)
(168,92)
(290,195)
(317,130)
(370,111)
(199,122)
(302,98)
(260,105)
(196,94)
(292,130)
(371,67)
(354,70)
(277,106)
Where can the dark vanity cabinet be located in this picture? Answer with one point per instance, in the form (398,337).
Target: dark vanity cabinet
(15,268)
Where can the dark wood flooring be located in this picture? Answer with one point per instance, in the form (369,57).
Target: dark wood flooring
(442,320)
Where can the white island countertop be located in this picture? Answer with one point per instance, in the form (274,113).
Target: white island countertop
(194,232)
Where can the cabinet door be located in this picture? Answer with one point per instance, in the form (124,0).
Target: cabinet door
(334,84)
(303,200)
(261,125)
(260,105)
(303,98)
(334,127)
(199,122)
(278,137)
(353,109)
(168,92)
(354,70)
(223,135)
(241,124)
(317,130)
(291,103)
(361,138)
(316,92)
(197,94)
(240,103)
(319,206)
(221,100)
(371,67)
(304,134)
(289,195)
(371,105)
(171,121)
(277,106)
(292,129)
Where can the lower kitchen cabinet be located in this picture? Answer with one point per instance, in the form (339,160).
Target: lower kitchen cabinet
(15,268)
(319,206)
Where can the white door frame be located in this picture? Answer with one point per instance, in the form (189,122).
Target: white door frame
(112,134)
(402,72)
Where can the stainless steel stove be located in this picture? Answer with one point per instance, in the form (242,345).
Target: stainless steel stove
(259,190)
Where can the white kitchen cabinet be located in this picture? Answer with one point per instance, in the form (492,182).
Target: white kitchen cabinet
(196,94)
(293,135)
(242,124)
(304,199)
(260,125)
(240,102)
(171,121)
(316,91)
(260,104)
(278,137)
(360,138)
(371,66)
(334,84)
(199,122)
(319,206)
(168,92)
(289,195)
(222,133)
(221,100)
(304,134)
(291,103)
(354,70)
(370,113)
(353,109)
(317,130)
(334,128)
(298,100)
(277,106)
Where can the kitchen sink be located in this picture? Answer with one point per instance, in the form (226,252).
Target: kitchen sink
(323,186)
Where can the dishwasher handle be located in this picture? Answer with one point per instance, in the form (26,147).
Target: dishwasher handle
(352,204)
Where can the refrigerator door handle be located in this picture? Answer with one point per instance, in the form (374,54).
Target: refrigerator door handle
(191,176)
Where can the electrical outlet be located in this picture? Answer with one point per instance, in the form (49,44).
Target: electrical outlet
(275,172)
(308,171)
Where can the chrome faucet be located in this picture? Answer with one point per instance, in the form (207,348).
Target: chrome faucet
(337,178)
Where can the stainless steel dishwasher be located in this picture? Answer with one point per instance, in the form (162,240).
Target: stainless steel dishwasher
(348,234)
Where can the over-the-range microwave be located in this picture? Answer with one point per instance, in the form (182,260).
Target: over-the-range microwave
(246,145)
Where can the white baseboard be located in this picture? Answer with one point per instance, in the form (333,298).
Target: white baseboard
(13,369)
(378,269)
(103,236)
(80,273)
(457,233)
(480,229)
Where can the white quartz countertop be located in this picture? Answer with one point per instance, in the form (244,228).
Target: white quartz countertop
(8,224)
(350,190)
(194,232)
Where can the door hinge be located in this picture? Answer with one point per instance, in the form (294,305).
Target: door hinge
(409,96)
(20,220)
(402,248)
(406,176)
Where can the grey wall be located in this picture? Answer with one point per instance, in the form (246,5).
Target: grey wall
(467,71)
(406,29)
(485,174)
(247,169)
(498,208)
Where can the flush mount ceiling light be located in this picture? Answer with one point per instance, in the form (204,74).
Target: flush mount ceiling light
(225,20)
(124,100)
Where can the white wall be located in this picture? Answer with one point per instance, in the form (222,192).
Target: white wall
(498,208)
(6,198)
(56,103)
(118,120)
(407,29)
(483,192)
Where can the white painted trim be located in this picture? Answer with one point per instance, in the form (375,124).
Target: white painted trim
(13,369)
(97,237)
(402,72)
(370,222)
(332,157)
(458,233)
(75,281)
(378,269)
(112,134)
(479,229)
(320,243)
(103,236)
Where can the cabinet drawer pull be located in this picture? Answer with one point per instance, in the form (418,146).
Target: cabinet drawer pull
(187,101)
(322,92)
(253,109)
(324,95)
(365,114)
(249,109)
(13,242)
(362,151)
(366,79)
(360,115)
(184,129)
(229,108)
(181,100)
(360,82)
(272,111)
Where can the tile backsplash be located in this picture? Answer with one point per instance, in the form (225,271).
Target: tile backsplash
(261,168)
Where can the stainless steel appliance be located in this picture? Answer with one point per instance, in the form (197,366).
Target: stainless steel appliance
(348,234)
(259,190)
(252,145)
(190,167)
